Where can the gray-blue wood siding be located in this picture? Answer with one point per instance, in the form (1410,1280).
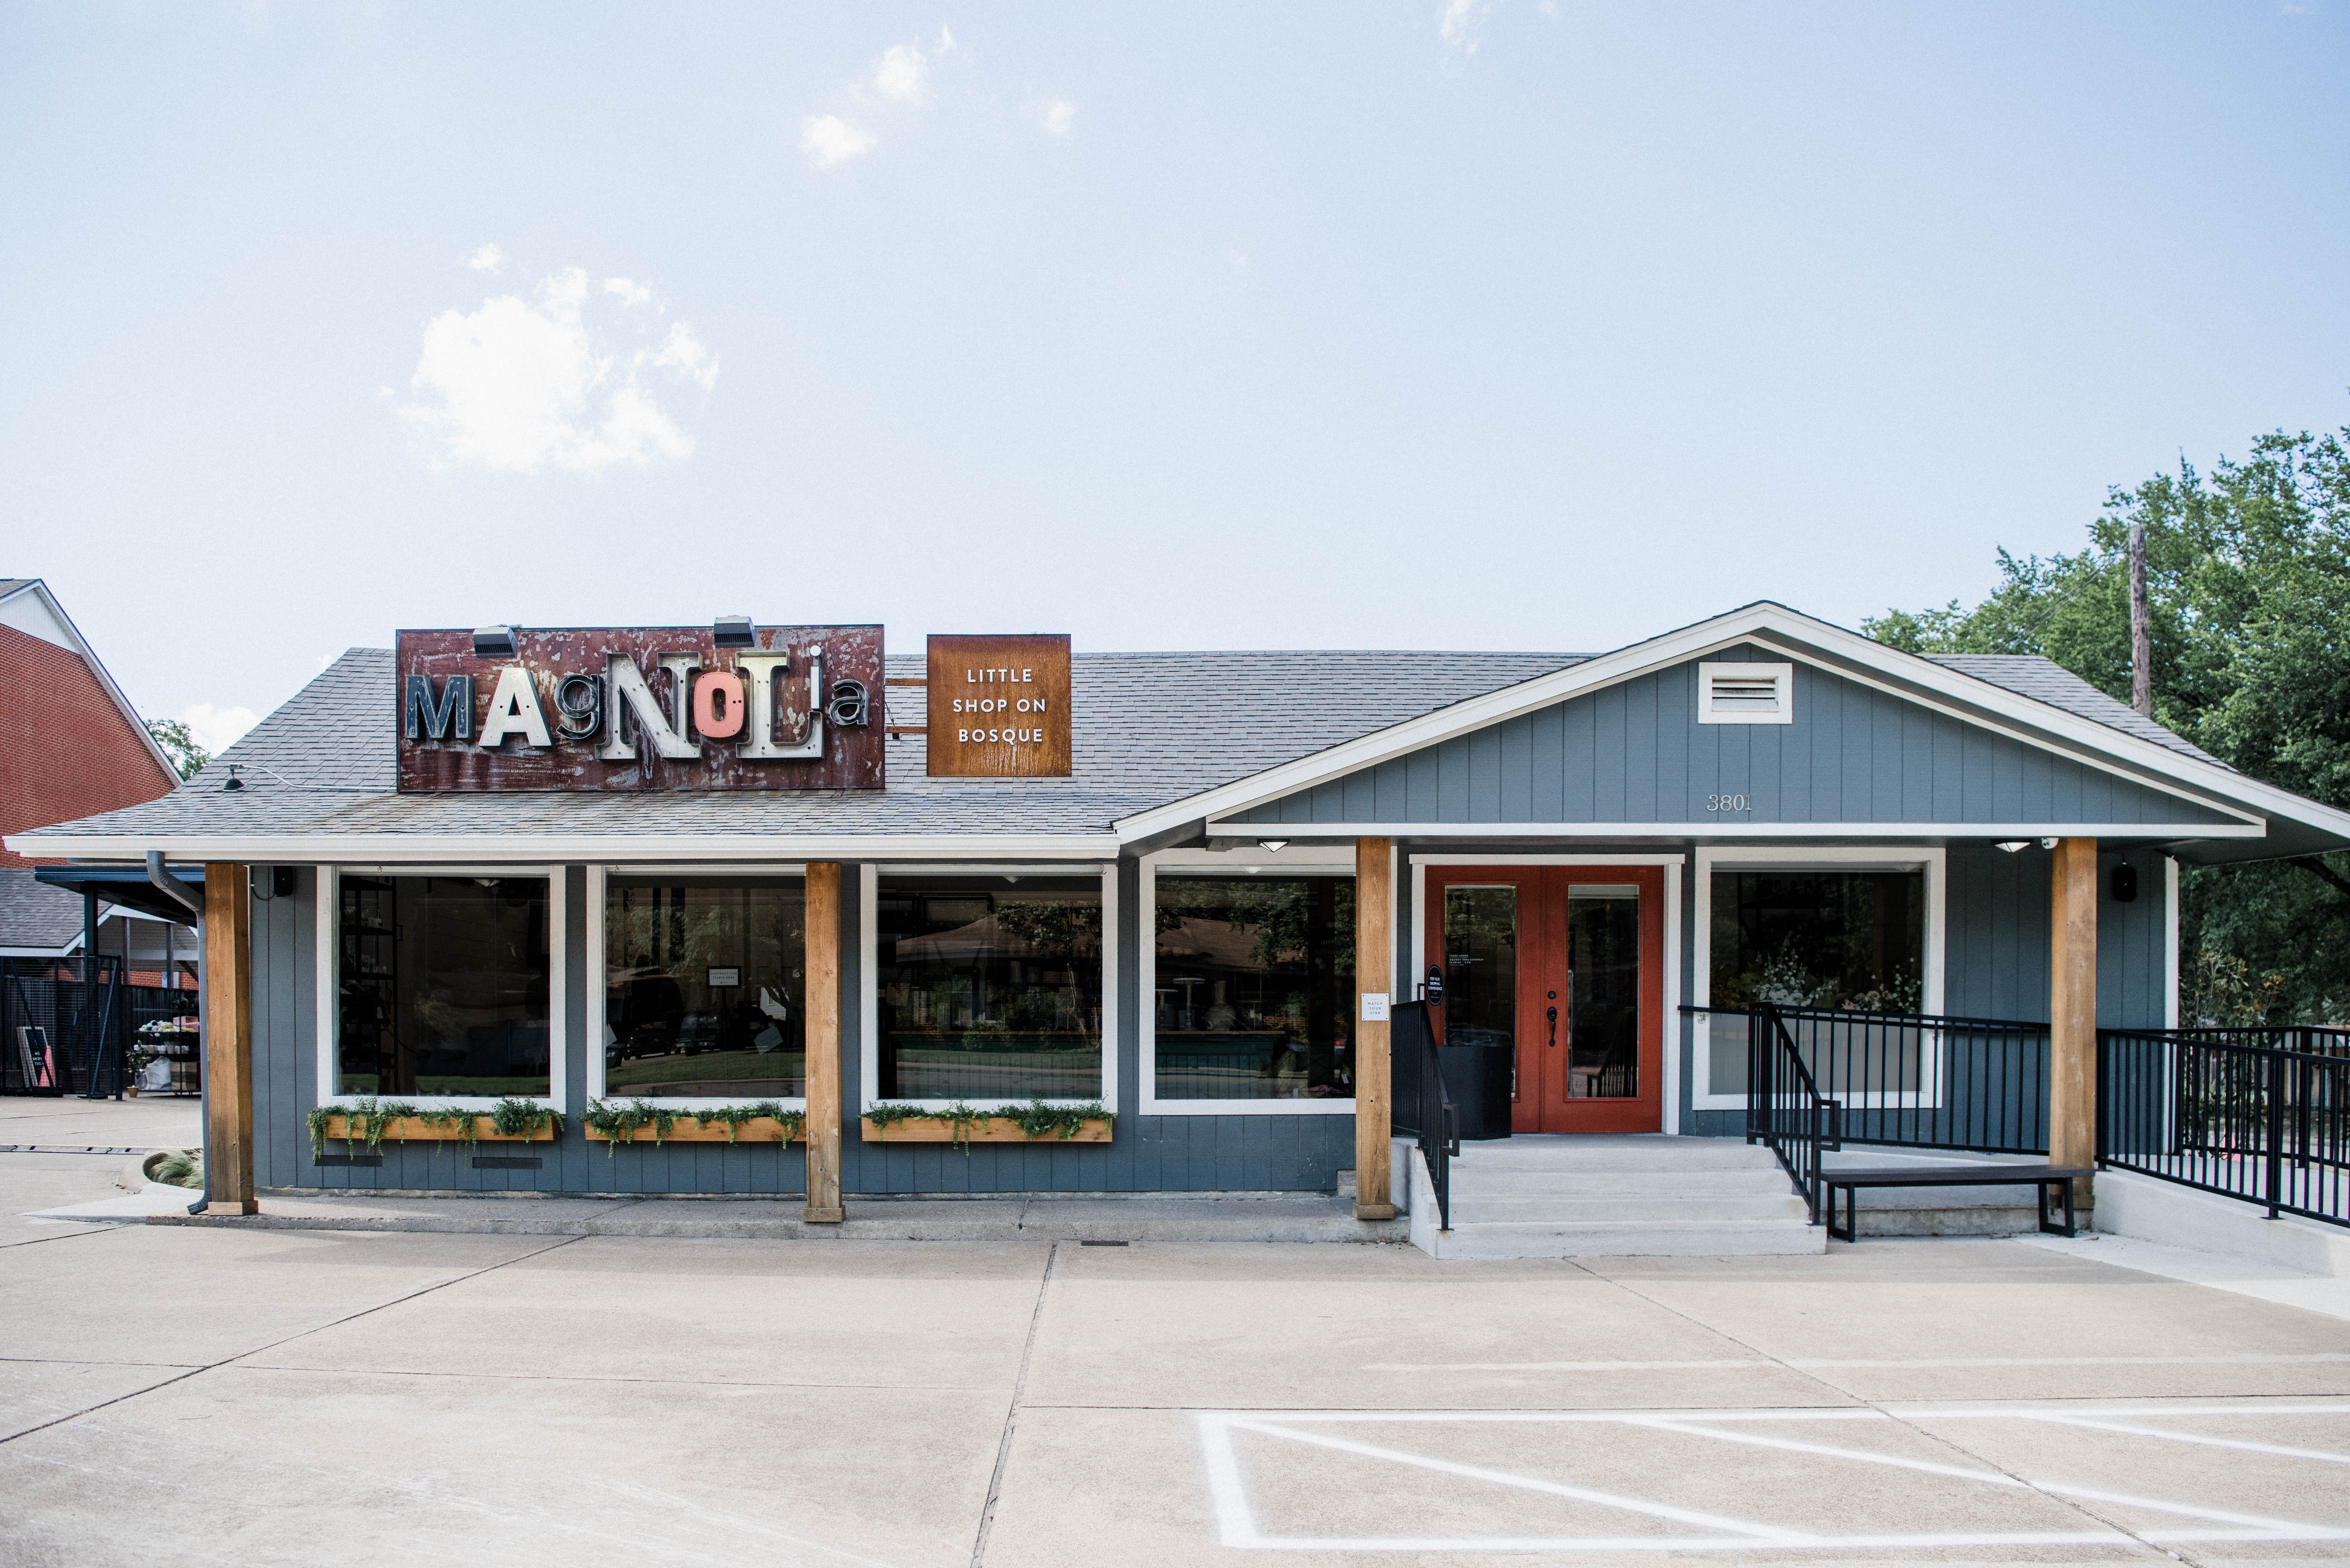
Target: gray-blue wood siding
(1636,752)
(1239,1153)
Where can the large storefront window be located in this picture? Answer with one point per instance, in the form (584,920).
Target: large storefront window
(1254,974)
(989,988)
(443,985)
(703,987)
(1844,939)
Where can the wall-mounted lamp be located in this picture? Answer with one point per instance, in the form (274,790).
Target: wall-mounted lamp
(2125,883)
(234,782)
(732,632)
(493,642)
(1273,846)
(2013,845)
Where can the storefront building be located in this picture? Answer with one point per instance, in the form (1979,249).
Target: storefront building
(767,866)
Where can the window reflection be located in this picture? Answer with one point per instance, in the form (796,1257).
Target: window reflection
(443,986)
(1253,977)
(703,987)
(989,988)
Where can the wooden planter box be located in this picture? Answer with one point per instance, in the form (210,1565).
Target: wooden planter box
(416,1129)
(993,1129)
(693,1129)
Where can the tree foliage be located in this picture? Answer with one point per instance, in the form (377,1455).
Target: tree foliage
(179,744)
(2248,577)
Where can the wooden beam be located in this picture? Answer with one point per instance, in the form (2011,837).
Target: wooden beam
(824,1106)
(1374,976)
(2073,1007)
(228,1041)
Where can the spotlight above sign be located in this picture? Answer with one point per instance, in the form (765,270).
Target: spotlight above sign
(727,706)
(999,707)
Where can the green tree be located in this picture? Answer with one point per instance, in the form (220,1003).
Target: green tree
(178,745)
(2248,577)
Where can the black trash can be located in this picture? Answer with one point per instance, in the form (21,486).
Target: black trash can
(1477,1081)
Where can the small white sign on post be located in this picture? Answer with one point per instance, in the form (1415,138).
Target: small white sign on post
(723,979)
(1374,1007)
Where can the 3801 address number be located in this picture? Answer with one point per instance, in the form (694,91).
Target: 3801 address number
(1728,803)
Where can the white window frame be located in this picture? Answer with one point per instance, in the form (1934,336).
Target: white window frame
(868,987)
(1782,676)
(1932,861)
(1324,860)
(597,876)
(329,983)
(1668,1107)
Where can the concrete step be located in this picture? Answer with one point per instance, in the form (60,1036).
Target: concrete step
(1646,1151)
(1614,1208)
(1485,1180)
(1631,1238)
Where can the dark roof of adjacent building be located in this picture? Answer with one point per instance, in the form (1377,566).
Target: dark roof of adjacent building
(34,914)
(1151,728)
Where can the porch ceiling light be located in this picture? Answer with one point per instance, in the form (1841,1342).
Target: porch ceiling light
(1274,846)
(493,642)
(2013,845)
(732,632)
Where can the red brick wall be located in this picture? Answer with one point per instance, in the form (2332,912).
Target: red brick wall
(65,750)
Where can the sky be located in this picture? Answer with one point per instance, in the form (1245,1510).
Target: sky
(1447,323)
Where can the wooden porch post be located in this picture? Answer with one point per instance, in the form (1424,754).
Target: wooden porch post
(228,1041)
(2073,1006)
(824,1044)
(1374,976)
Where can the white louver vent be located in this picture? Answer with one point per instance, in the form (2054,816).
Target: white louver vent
(1746,693)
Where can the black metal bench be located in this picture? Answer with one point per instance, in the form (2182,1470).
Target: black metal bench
(2043,1177)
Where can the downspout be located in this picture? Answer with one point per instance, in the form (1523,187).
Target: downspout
(195,908)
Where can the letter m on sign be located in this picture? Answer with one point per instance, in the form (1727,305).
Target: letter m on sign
(424,719)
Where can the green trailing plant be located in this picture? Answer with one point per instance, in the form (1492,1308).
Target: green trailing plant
(1037,1121)
(369,1121)
(620,1121)
(885,1116)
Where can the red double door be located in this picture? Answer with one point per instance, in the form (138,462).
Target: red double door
(1566,965)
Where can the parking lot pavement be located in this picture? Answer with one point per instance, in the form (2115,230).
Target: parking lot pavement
(147,1121)
(242,1396)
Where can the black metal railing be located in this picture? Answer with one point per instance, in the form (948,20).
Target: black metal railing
(1423,1108)
(2231,1111)
(1785,1107)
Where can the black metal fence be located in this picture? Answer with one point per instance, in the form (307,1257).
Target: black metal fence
(68,1026)
(1423,1109)
(2260,1115)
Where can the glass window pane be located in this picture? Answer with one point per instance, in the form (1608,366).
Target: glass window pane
(1481,968)
(1253,979)
(989,988)
(1851,940)
(1603,935)
(443,986)
(704,988)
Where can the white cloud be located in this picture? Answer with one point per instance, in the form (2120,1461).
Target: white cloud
(830,139)
(628,291)
(1056,115)
(489,258)
(687,355)
(217,729)
(1462,22)
(522,384)
(904,74)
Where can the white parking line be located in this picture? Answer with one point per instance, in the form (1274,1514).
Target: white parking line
(1709,1531)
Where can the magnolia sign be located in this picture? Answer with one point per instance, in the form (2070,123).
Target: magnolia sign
(642,709)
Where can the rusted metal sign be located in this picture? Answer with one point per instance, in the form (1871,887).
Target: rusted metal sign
(647,707)
(999,707)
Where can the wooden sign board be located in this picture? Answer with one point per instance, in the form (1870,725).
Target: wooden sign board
(999,707)
(643,708)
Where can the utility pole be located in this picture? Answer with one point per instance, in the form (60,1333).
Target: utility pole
(2141,630)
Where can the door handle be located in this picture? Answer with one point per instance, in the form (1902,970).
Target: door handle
(1552,1015)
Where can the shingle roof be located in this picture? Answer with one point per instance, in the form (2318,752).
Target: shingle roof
(35,914)
(1151,728)
(2044,681)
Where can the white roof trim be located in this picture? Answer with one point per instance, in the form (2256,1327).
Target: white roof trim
(1731,831)
(384,849)
(97,667)
(2141,761)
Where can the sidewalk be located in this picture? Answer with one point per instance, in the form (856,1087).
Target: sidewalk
(1285,1218)
(35,1124)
